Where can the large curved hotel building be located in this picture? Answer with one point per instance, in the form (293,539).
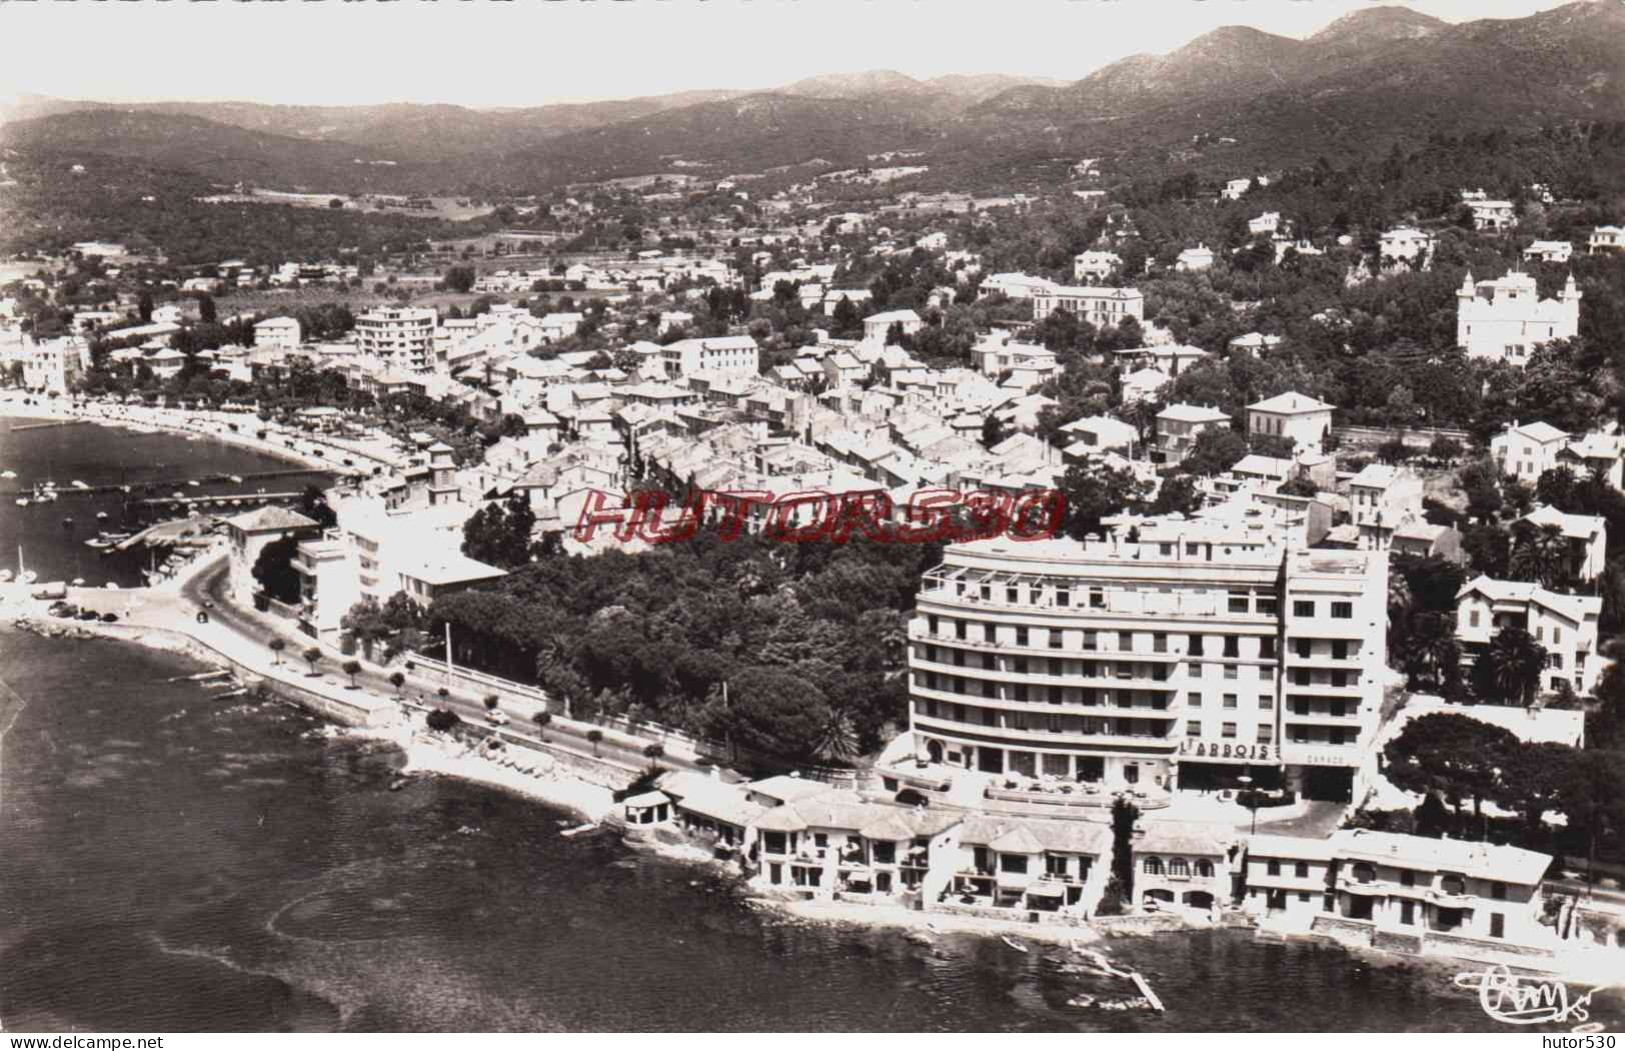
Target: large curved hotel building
(1152,665)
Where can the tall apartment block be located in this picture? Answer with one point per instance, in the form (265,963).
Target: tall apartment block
(1153,666)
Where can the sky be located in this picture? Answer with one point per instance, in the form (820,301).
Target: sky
(533,52)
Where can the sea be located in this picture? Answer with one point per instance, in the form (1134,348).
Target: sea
(174,861)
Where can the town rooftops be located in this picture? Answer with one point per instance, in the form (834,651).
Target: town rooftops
(1184,413)
(1034,835)
(889,316)
(1575,608)
(1479,860)
(450,567)
(1575,527)
(1375,476)
(1290,848)
(709,797)
(787,789)
(269,519)
(1539,431)
(1289,403)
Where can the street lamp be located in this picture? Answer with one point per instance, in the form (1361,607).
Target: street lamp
(1246,781)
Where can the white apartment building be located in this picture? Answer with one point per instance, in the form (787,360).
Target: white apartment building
(1382,498)
(1566,625)
(1527,450)
(1505,320)
(728,355)
(278,333)
(1307,421)
(1178,427)
(1101,307)
(1585,537)
(1549,252)
(876,326)
(1150,665)
(1144,385)
(1015,286)
(1266,223)
(1606,239)
(1096,266)
(401,337)
(1288,880)
(56,364)
(1195,259)
(1235,188)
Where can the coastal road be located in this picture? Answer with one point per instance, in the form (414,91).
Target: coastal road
(256,629)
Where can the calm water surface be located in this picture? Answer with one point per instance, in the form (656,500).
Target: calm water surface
(171,861)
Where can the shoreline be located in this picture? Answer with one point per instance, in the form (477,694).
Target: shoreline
(180,424)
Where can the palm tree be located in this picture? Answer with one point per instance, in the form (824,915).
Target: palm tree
(397,680)
(277,646)
(542,719)
(838,738)
(352,668)
(1399,613)
(594,736)
(1513,662)
(312,655)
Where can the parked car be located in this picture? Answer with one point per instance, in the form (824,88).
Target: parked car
(496,718)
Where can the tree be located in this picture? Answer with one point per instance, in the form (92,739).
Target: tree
(542,720)
(313,655)
(206,313)
(366,623)
(1176,495)
(654,750)
(277,646)
(442,720)
(274,571)
(491,702)
(1532,779)
(594,736)
(352,668)
(397,680)
(336,202)
(1454,755)
(1124,817)
(459,278)
(992,431)
(1216,450)
(143,306)
(313,505)
(1094,491)
(1511,665)
(1592,796)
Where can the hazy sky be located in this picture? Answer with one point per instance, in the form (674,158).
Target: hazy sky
(527,52)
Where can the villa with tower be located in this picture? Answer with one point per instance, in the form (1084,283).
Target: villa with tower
(1505,319)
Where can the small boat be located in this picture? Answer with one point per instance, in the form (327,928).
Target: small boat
(193,483)
(68,521)
(22,501)
(78,582)
(8,474)
(99,543)
(77,484)
(398,784)
(101,516)
(124,488)
(178,495)
(28,577)
(110,586)
(237,478)
(1006,939)
(588,827)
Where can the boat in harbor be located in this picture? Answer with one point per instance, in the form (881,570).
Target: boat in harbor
(8,474)
(101,516)
(193,483)
(237,478)
(99,543)
(77,484)
(23,501)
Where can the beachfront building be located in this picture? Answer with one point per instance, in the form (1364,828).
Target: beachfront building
(1032,866)
(1305,420)
(1288,880)
(1505,319)
(1182,863)
(278,333)
(250,532)
(1101,307)
(1434,896)
(1178,427)
(400,337)
(1148,665)
(1564,625)
(55,365)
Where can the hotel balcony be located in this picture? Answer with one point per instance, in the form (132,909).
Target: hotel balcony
(1352,691)
(1171,684)
(918,633)
(1352,719)
(976,734)
(1044,708)
(1139,605)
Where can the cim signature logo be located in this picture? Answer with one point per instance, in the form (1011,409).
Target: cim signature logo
(1518,1000)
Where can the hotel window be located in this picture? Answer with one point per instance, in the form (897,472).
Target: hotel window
(1453,884)
(1165,549)
(1557,634)
(1472,618)
(1301,870)
(987,593)
(1342,611)
(1056,694)
(1239,601)
(1021,635)
(1327,902)
(1019,692)
(1232,646)
(1196,646)
(1498,891)
(1012,596)
(1204,868)
(990,690)
(1056,666)
(1193,728)
(1091,640)
(1340,649)
(1300,677)
(1097,598)
(1340,679)
(1125,642)
(959,658)
(1407,878)
(1055,864)
(1364,873)
(1266,648)
(931,623)
(1063,598)
(1301,608)
(1159,642)
(1274,867)
(1335,735)
(1305,647)
(1179,868)
(1266,734)
(1231,672)
(1230,700)
(1152,866)
(1019,665)
(1055,638)
(1230,730)
(989,717)
(1055,724)
(1014,863)
(1018,720)
(1268,605)
(960,630)
(1266,673)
